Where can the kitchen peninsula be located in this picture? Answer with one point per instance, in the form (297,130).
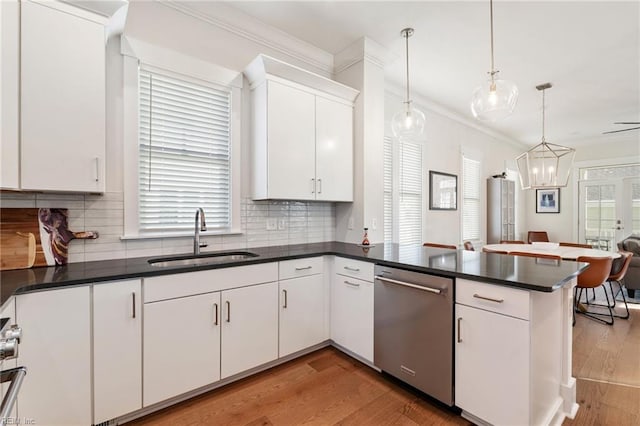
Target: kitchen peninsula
(511,325)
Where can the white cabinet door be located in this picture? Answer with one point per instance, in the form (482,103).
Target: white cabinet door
(56,349)
(352,315)
(117,349)
(62,100)
(250,327)
(334,150)
(301,313)
(291,142)
(9,94)
(492,366)
(181,345)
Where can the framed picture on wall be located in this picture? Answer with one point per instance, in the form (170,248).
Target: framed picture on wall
(548,200)
(443,191)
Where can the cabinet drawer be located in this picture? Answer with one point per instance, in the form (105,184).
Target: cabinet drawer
(191,283)
(300,267)
(494,298)
(354,268)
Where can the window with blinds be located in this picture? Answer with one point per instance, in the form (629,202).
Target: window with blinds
(388,190)
(410,194)
(470,199)
(184,153)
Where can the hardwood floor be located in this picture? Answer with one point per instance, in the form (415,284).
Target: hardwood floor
(606,363)
(327,388)
(322,388)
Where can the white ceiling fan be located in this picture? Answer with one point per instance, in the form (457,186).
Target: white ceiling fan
(624,130)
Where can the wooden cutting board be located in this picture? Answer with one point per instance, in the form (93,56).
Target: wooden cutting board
(35,237)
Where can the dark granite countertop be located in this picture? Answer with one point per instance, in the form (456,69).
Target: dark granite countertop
(514,271)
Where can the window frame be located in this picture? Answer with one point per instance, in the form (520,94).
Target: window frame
(136,54)
(464,198)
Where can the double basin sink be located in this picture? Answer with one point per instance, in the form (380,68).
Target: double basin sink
(204,259)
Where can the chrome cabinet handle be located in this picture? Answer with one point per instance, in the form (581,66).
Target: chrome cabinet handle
(319,186)
(459,330)
(302,268)
(285,299)
(352,284)
(349,268)
(490,299)
(313,185)
(97,160)
(417,287)
(133,304)
(228,311)
(215,314)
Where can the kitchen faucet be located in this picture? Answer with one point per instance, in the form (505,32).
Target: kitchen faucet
(199,227)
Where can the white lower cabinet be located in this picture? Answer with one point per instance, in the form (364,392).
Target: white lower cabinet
(508,354)
(492,355)
(250,327)
(56,349)
(117,349)
(181,345)
(352,307)
(301,313)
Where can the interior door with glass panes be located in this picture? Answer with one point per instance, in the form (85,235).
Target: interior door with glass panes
(609,210)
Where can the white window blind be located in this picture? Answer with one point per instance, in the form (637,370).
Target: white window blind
(410,209)
(470,199)
(184,153)
(388,190)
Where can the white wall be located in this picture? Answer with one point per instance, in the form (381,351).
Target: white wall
(446,139)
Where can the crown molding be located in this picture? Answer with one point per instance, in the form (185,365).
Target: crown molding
(362,49)
(398,91)
(235,21)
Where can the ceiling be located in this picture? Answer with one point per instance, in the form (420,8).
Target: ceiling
(588,50)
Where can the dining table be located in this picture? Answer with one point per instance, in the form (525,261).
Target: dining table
(565,252)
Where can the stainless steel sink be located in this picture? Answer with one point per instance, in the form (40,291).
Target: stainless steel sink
(207,259)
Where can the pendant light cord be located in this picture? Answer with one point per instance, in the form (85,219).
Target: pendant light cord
(543,139)
(491,17)
(406,37)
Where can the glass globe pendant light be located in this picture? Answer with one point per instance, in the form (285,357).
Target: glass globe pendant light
(408,123)
(497,98)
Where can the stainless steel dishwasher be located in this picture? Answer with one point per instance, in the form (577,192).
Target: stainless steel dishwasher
(413,329)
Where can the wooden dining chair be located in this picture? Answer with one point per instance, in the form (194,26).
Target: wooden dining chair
(537,237)
(538,255)
(437,245)
(589,246)
(594,276)
(469,246)
(511,242)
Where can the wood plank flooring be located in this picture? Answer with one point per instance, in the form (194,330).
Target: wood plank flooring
(322,388)
(606,363)
(329,388)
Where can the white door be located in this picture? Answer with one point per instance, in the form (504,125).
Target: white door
(291,141)
(609,210)
(301,313)
(62,100)
(492,366)
(56,349)
(181,345)
(117,374)
(249,327)
(334,150)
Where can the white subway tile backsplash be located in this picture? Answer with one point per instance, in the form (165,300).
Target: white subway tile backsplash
(16,203)
(304,222)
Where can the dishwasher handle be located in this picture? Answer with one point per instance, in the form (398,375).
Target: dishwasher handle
(418,287)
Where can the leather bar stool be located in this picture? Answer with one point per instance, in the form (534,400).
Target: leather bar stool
(594,276)
(437,245)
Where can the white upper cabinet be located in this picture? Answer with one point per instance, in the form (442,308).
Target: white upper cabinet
(302,126)
(60,109)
